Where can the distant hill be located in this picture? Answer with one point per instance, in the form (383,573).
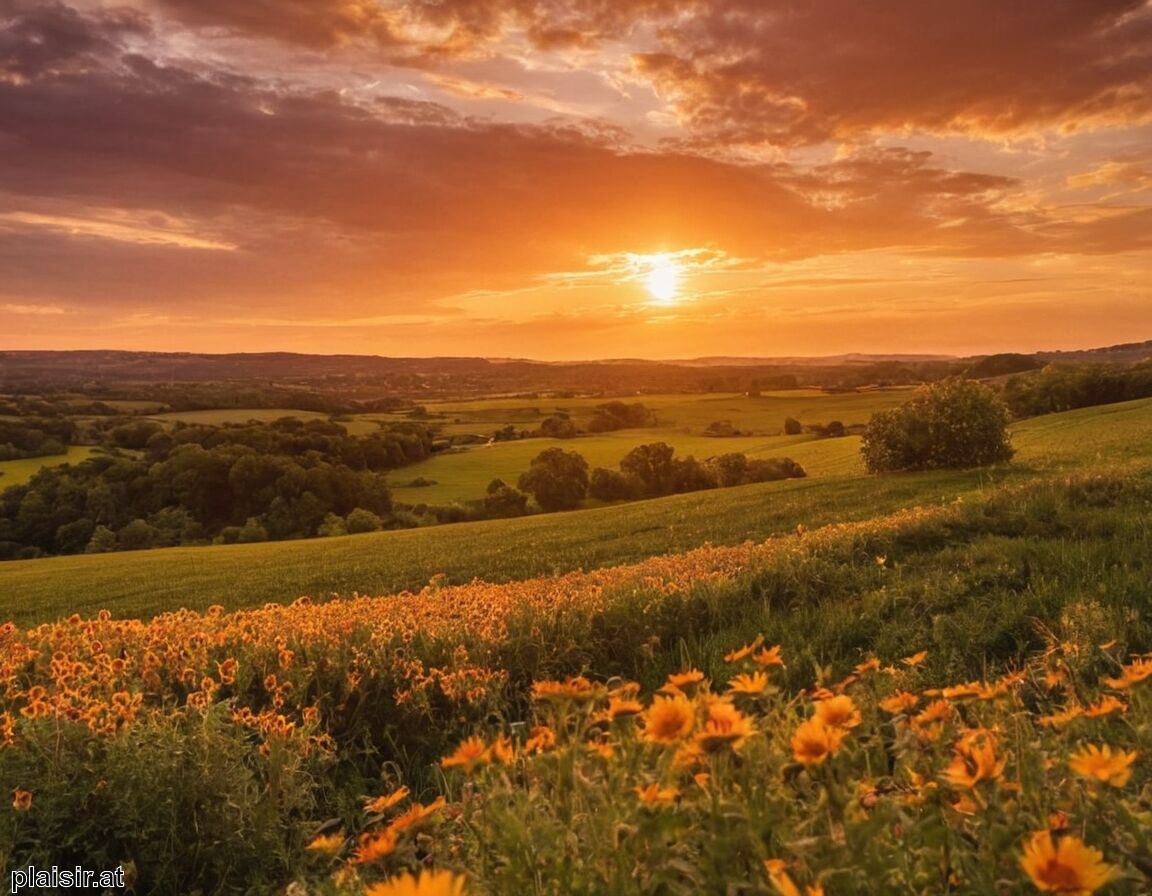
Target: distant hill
(1127,353)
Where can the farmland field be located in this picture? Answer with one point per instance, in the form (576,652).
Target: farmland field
(15,472)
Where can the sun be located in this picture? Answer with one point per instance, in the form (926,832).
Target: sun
(662,279)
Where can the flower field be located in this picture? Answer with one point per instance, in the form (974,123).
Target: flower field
(961,703)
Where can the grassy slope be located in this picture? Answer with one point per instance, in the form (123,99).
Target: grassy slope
(17,472)
(148,582)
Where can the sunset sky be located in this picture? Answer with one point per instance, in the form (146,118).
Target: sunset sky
(566,179)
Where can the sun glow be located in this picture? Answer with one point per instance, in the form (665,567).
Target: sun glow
(662,279)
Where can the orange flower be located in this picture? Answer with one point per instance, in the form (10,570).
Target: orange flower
(469,756)
(621,707)
(751,685)
(746,651)
(416,814)
(1134,672)
(838,712)
(1069,868)
(577,690)
(685,683)
(374,846)
(782,881)
(900,702)
(814,741)
(382,803)
(1060,719)
(655,795)
(501,751)
(768,656)
(975,760)
(1105,706)
(869,665)
(21,800)
(936,711)
(542,738)
(428,883)
(725,726)
(668,720)
(329,844)
(1102,764)
(916,659)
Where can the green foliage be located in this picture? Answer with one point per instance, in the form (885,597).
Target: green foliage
(361,520)
(954,423)
(557,479)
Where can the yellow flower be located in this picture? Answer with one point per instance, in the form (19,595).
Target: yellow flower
(900,702)
(1069,868)
(1134,672)
(21,800)
(429,883)
(329,844)
(685,683)
(814,741)
(1105,706)
(916,659)
(655,795)
(578,690)
(416,814)
(501,751)
(937,711)
(373,847)
(784,884)
(1062,718)
(381,803)
(869,665)
(751,685)
(975,760)
(621,707)
(1102,764)
(746,651)
(838,712)
(725,726)
(542,738)
(768,656)
(668,720)
(468,756)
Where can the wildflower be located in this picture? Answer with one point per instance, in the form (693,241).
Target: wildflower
(1105,706)
(783,882)
(577,690)
(746,651)
(974,760)
(468,756)
(655,795)
(542,738)
(685,683)
(1134,672)
(328,844)
(750,684)
(1070,867)
(1062,718)
(374,846)
(937,711)
(668,719)
(869,665)
(768,656)
(501,751)
(429,883)
(21,800)
(621,707)
(959,691)
(1102,764)
(382,803)
(838,712)
(915,659)
(900,702)
(814,741)
(605,749)
(725,726)
(416,814)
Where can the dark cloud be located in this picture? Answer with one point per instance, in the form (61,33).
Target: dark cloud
(39,38)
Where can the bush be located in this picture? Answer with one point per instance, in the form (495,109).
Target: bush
(954,423)
(361,520)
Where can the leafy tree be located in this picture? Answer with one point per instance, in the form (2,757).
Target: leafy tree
(792,426)
(361,520)
(103,540)
(652,467)
(953,423)
(608,485)
(557,479)
(501,500)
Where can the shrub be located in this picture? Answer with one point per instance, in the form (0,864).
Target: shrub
(954,423)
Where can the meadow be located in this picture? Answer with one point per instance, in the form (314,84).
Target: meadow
(16,472)
(944,688)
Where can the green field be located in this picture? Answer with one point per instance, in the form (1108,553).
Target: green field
(17,472)
(148,582)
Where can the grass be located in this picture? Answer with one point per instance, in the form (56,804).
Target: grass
(150,582)
(17,472)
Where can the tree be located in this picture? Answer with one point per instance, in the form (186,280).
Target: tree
(608,485)
(557,479)
(792,426)
(361,520)
(501,500)
(954,423)
(651,466)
